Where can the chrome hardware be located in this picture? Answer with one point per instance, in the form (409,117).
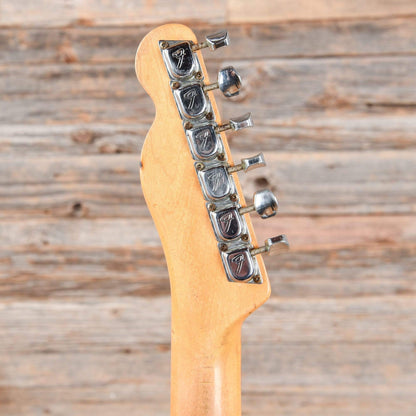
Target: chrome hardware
(265,203)
(216,182)
(191,100)
(236,123)
(229,82)
(204,141)
(214,41)
(186,80)
(179,58)
(249,163)
(274,245)
(239,264)
(227,223)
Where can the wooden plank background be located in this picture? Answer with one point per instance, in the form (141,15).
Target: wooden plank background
(84,292)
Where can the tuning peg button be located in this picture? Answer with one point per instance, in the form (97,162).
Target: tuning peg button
(236,123)
(249,163)
(229,82)
(214,41)
(273,245)
(264,203)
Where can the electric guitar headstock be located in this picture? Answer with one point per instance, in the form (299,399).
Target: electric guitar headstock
(191,187)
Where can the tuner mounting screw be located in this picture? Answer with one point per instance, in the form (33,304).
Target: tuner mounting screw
(233,197)
(209,116)
(164,44)
(256,279)
(223,247)
(175,85)
(245,237)
(199,165)
(221,156)
(212,207)
(188,125)
(198,75)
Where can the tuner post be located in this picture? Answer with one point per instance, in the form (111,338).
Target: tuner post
(273,245)
(236,123)
(249,163)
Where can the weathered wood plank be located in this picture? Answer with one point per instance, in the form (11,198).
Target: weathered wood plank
(359,176)
(361,371)
(85,301)
(322,356)
(94,325)
(349,272)
(118,12)
(307,233)
(281,10)
(278,92)
(309,183)
(71,273)
(94,12)
(288,365)
(82,139)
(249,41)
(322,38)
(335,401)
(374,132)
(360,271)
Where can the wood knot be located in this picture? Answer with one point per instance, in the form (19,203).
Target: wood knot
(262,182)
(83,136)
(78,209)
(67,54)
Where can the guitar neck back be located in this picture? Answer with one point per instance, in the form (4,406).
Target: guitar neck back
(208,307)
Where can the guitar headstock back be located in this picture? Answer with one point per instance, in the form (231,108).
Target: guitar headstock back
(191,186)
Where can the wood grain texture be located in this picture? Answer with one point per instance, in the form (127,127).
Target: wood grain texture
(91,186)
(97,44)
(84,289)
(42,271)
(357,104)
(129,12)
(207,309)
(119,12)
(296,89)
(266,11)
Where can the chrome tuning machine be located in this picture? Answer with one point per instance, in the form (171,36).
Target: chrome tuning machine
(249,163)
(213,42)
(273,245)
(189,89)
(264,203)
(236,123)
(229,82)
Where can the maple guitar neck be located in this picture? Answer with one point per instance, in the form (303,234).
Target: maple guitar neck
(192,190)
(205,369)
